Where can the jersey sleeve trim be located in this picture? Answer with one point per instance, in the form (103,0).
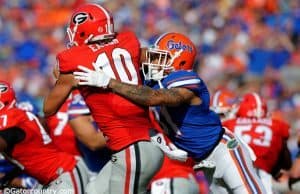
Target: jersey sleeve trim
(184,82)
(79,111)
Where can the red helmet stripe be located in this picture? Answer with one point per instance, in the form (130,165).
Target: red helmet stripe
(258,104)
(216,98)
(157,41)
(107,17)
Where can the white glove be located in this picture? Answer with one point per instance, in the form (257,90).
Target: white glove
(176,153)
(91,78)
(172,152)
(204,164)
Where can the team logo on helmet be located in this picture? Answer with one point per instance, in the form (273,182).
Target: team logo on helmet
(179,46)
(3,88)
(80,18)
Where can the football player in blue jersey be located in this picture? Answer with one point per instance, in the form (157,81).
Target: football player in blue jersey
(182,102)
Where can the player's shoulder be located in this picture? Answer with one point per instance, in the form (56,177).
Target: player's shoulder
(179,78)
(126,35)
(68,59)
(128,40)
(71,52)
(12,117)
(14,112)
(182,74)
(280,122)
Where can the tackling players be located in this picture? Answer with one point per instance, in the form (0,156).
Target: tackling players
(183,101)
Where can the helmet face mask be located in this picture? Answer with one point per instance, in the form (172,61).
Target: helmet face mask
(157,65)
(171,51)
(90,23)
(7,96)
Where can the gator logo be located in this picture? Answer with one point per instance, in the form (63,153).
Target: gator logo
(171,44)
(3,88)
(232,144)
(80,18)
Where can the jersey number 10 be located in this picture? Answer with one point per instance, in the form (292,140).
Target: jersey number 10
(121,67)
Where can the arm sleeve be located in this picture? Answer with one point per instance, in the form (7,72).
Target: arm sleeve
(12,136)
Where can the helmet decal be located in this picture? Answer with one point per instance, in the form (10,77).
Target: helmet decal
(3,88)
(171,44)
(79,18)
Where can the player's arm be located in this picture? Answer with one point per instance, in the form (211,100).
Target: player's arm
(147,96)
(139,94)
(284,160)
(3,144)
(10,137)
(59,93)
(85,131)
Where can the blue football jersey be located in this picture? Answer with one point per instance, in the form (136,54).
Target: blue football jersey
(5,166)
(77,107)
(95,160)
(194,128)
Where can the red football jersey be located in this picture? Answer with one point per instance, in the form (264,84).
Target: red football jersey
(121,121)
(36,152)
(264,135)
(60,131)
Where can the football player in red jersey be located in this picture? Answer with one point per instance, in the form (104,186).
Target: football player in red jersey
(59,129)
(266,136)
(23,139)
(94,44)
(61,132)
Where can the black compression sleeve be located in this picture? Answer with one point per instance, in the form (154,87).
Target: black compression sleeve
(12,136)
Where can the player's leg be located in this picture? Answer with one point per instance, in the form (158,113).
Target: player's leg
(266,179)
(175,186)
(234,166)
(239,174)
(133,168)
(100,185)
(74,181)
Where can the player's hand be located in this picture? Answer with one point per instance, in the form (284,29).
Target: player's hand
(91,78)
(176,153)
(170,150)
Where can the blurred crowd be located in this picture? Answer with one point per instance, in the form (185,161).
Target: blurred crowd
(243,45)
